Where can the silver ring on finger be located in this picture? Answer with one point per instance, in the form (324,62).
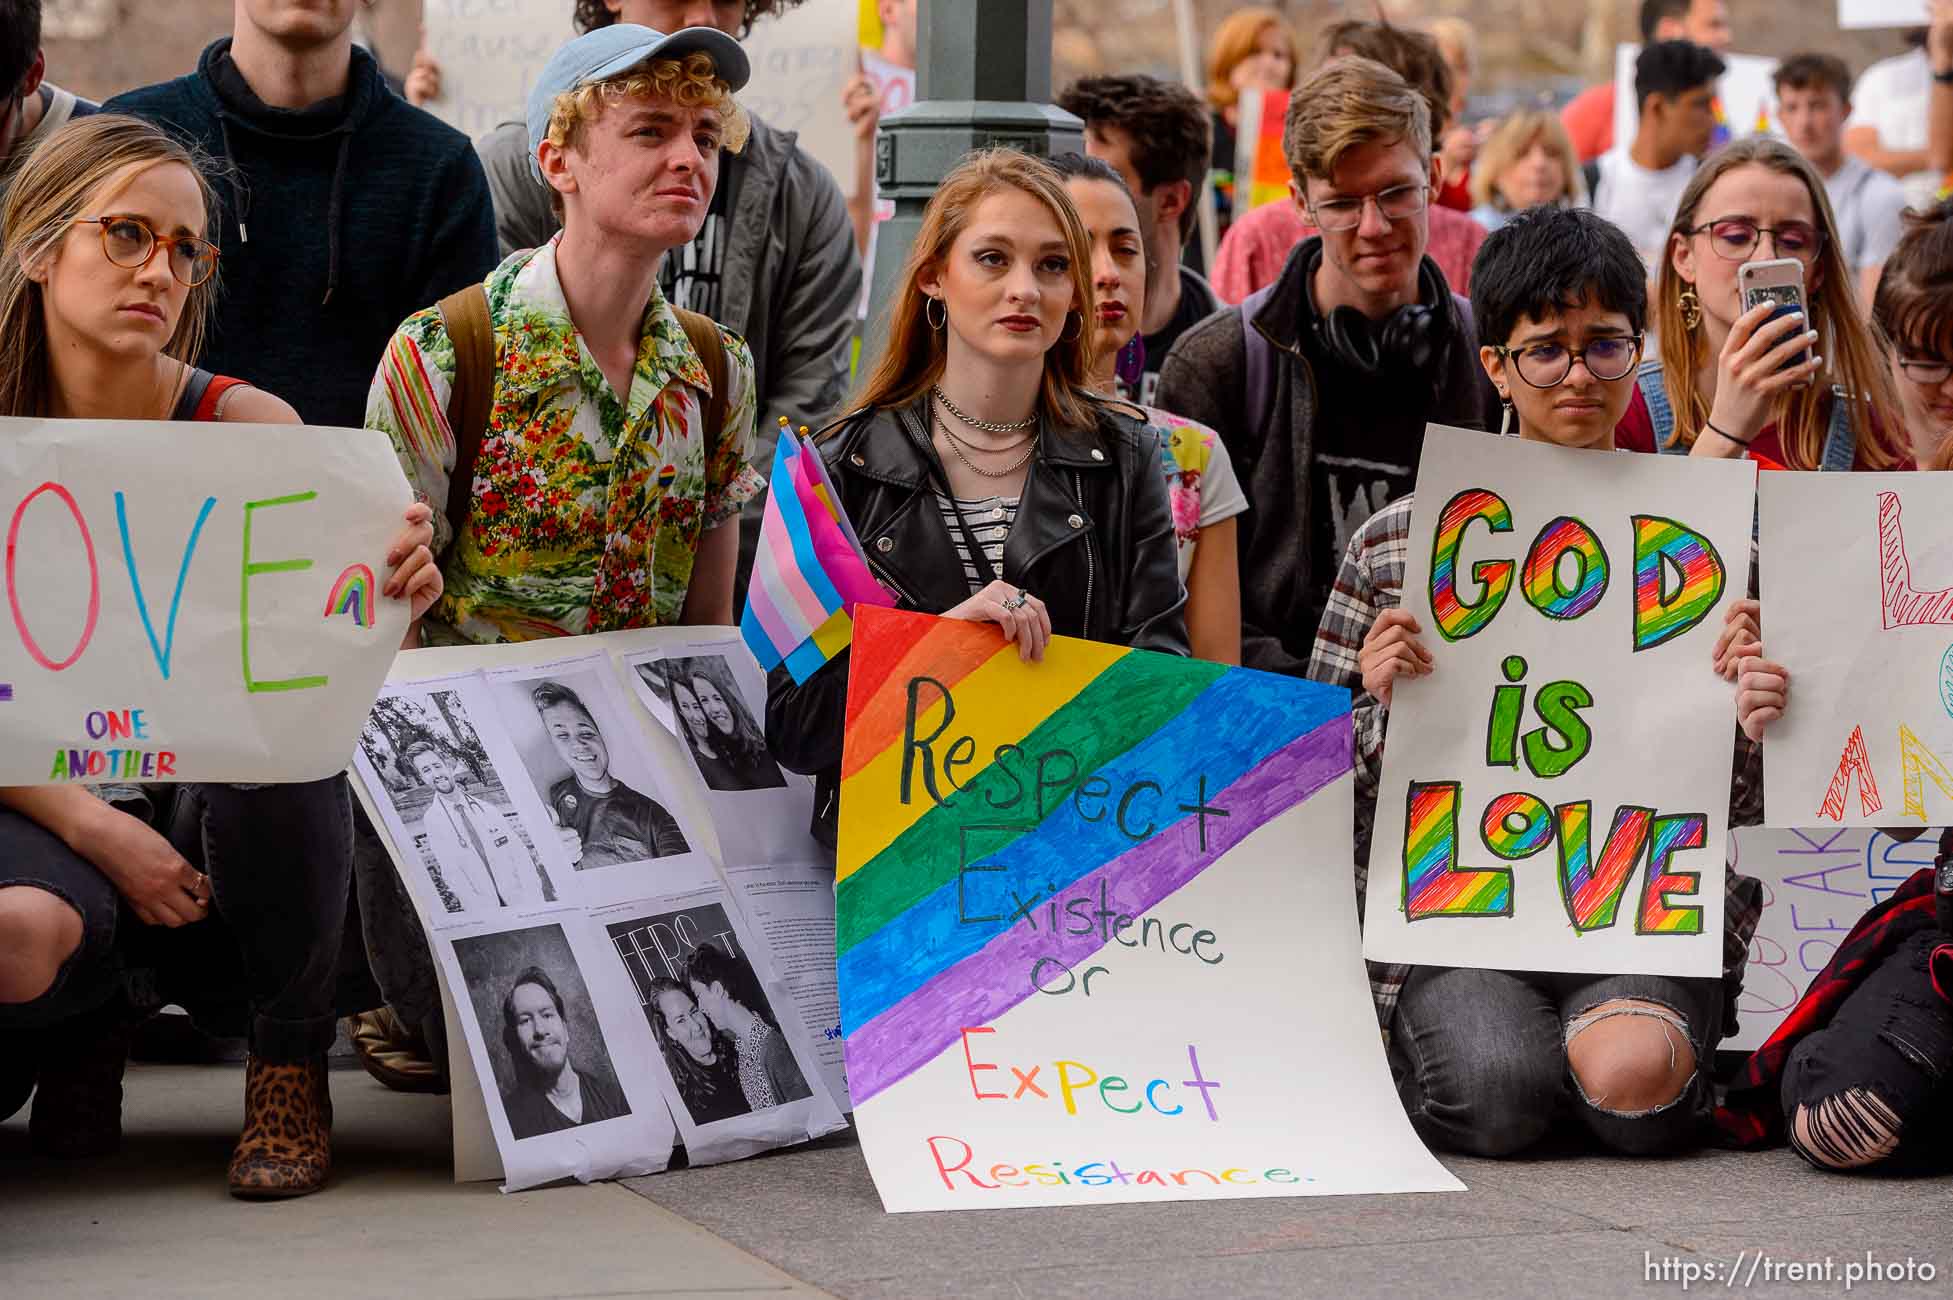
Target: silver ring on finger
(1018,601)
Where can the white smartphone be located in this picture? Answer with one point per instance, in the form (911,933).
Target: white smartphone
(1781,281)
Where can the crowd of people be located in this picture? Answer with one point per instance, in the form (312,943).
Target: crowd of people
(579,334)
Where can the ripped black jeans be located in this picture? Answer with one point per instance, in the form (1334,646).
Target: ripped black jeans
(1876,1084)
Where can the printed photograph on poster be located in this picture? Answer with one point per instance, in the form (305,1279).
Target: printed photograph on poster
(453,808)
(724,739)
(551,1065)
(586,759)
(720,1036)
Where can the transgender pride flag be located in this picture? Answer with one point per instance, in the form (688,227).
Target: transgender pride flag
(809,572)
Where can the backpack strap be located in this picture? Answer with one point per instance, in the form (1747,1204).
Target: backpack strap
(465,315)
(1660,414)
(1257,362)
(1840,438)
(190,401)
(710,345)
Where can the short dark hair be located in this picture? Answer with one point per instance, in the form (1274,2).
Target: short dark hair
(1167,123)
(549,694)
(1080,166)
(1551,259)
(1414,56)
(414,750)
(1655,12)
(511,1041)
(1814,72)
(710,964)
(592,14)
(1673,68)
(20,42)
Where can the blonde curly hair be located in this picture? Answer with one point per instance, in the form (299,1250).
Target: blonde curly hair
(692,82)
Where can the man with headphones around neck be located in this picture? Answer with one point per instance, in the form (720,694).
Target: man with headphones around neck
(1321,384)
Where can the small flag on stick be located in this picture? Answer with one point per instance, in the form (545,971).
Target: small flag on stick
(809,572)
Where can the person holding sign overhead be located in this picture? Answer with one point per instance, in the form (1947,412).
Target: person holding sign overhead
(106,281)
(1485,1058)
(984,479)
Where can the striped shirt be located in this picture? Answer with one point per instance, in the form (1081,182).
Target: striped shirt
(989,521)
(1370,581)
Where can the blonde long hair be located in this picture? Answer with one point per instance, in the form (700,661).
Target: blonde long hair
(1512,140)
(57,183)
(912,359)
(1844,336)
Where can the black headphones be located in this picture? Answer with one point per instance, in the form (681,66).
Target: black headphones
(1409,338)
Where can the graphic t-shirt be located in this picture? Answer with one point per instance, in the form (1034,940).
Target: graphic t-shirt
(691,275)
(1197,303)
(620,826)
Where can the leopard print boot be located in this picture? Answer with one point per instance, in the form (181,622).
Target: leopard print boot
(286,1147)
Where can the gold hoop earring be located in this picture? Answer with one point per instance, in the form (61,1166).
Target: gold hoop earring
(1691,308)
(1075,334)
(927,303)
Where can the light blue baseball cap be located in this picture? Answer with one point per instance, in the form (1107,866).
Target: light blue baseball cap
(607,51)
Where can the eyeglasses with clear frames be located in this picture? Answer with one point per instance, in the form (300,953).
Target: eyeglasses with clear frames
(1546,365)
(129,242)
(1927,372)
(1394,204)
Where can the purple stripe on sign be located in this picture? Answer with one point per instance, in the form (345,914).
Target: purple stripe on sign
(983,987)
(6,692)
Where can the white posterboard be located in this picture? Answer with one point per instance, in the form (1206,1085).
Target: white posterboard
(1854,15)
(1097,943)
(192,601)
(490,53)
(1555,790)
(1816,885)
(1746,98)
(1858,605)
(478,766)
(801,59)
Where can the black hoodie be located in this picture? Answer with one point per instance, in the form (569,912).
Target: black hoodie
(339,221)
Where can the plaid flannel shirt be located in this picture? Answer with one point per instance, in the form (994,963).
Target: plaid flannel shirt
(1370,581)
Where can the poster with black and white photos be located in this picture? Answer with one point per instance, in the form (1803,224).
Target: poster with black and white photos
(586,756)
(740,1070)
(790,907)
(457,803)
(712,696)
(570,1089)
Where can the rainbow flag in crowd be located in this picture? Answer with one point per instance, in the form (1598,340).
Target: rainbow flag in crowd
(1261,172)
(809,572)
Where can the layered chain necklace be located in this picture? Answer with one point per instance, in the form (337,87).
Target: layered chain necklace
(957,444)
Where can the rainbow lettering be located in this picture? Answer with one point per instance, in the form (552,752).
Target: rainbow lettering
(1457,619)
(1541,582)
(1592,891)
(352,593)
(1661,547)
(1516,826)
(1668,836)
(1434,884)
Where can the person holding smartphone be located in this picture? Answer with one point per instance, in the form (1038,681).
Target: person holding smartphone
(1799,390)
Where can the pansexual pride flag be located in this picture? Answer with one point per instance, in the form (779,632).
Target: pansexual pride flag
(809,573)
(1113,775)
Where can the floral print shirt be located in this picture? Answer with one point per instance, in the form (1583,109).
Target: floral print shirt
(588,511)
(1201,487)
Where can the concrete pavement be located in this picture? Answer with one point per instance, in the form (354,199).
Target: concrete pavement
(154,1222)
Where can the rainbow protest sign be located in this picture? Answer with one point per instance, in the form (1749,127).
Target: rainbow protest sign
(1555,792)
(192,602)
(1096,932)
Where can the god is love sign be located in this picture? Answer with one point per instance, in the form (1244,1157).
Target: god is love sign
(1097,941)
(1555,792)
(192,602)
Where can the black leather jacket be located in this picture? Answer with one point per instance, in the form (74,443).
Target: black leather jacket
(1093,540)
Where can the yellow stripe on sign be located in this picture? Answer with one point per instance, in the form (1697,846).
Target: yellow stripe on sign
(998,704)
(832,637)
